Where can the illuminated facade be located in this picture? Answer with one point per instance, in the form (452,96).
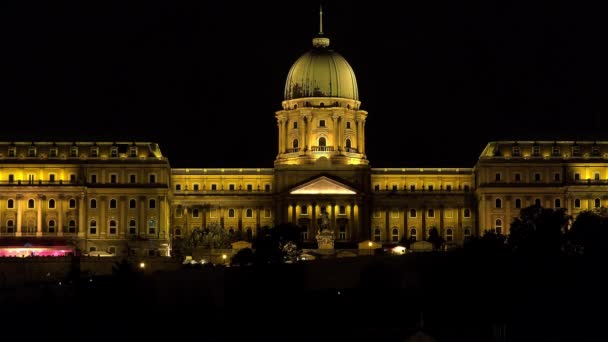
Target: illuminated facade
(125,198)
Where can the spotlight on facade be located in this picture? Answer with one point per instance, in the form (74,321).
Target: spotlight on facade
(142,265)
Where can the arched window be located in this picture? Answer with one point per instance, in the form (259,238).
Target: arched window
(10,204)
(113,203)
(93,227)
(51,204)
(31,203)
(113,227)
(93,203)
(467,233)
(377,235)
(249,213)
(178,231)
(412,212)
(517,203)
(342,232)
(597,203)
(132,203)
(577,203)
(449,235)
(431,212)
(467,213)
(395,235)
(322,142)
(10,226)
(498,203)
(231,212)
(295,144)
(132,227)
(52,226)
(152,226)
(249,233)
(231,231)
(195,213)
(72,226)
(558,203)
(413,234)
(498,226)
(112,250)
(72,203)
(348,144)
(537,202)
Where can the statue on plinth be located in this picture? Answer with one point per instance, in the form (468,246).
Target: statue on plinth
(325,236)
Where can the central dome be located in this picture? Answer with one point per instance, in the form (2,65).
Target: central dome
(321,72)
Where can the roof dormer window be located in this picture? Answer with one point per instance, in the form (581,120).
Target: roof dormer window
(114,151)
(94,151)
(31,152)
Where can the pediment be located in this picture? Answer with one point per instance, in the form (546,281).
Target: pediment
(323,186)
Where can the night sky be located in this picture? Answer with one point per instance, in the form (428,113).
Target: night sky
(204,78)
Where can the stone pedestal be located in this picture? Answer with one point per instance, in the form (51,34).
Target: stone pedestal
(325,239)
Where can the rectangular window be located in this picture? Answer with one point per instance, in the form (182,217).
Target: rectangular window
(195,187)
(53,152)
(497,176)
(249,187)
(267,187)
(577,176)
(72,178)
(31,152)
(518,177)
(12,151)
(556,177)
(113,179)
(595,151)
(304,210)
(133,151)
(132,179)
(152,178)
(555,151)
(576,150)
(195,213)
(536,150)
(321,123)
(11,178)
(51,177)
(213,187)
(342,210)
(93,179)
(73,151)
(94,151)
(114,152)
(537,177)
(231,187)
(178,187)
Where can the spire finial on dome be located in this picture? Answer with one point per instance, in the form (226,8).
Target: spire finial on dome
(320,20)
(320,42)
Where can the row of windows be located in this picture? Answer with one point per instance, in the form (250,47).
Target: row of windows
(132,228)
(538,177)
(30,226)
(557,203)
(32,151)
(113,178)
(555,151)
(321,122)
(449,234)
(231,213)
(429,187)
(112,204)
(231,187)
(430,213)
(177,231)
(321,142)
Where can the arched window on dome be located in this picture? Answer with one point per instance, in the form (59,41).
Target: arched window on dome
(295,145)
(348,145)
(322,142)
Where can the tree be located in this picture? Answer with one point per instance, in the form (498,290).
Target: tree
(269,242)
(434,238)
(589,233)
(538,230)
(212,236)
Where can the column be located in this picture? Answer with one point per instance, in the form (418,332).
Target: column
(141,225)
(162,225)
(405,214)
(19,199)
(353,230)
(308,132)
(285,135)
(257,219)
(340,133)
(333,217)
(441,229)
(60,200)
(334,119)
(1,221)
(423,225)
(280,135)
(294,208)
(240,219)
(204,213)
(39,215)
(508,216)
(314,217)
(358,134)
(362,135)
(459,223)
(122,221)
(81,216)
(387,225)
(103,210)
(301,129)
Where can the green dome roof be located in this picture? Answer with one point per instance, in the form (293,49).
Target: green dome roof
(321,72)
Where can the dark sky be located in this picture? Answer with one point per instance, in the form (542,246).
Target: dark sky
(203,78)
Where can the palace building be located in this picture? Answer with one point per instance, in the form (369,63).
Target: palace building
(125,198)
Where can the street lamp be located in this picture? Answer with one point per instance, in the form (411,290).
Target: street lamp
(224,256)
(369,244)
